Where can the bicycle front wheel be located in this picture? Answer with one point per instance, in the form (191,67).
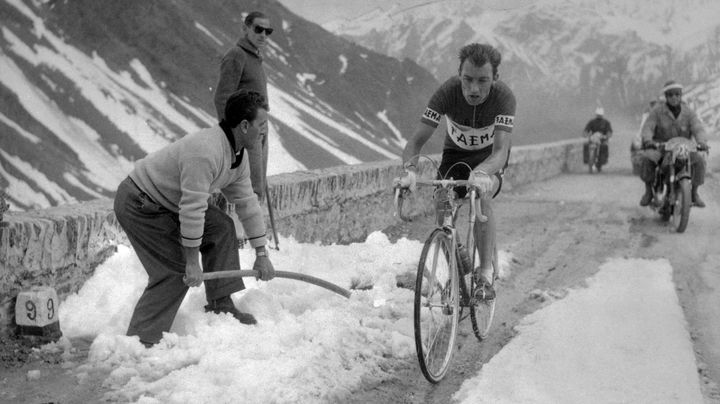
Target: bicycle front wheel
(437,306)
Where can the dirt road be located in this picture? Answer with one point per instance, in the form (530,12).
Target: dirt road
(559,232)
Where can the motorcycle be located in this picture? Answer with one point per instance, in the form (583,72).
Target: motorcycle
(673,181)
(592,154)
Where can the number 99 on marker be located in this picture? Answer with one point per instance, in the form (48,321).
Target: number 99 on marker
(36,307)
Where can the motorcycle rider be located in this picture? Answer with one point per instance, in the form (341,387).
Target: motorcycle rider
(667,120)
(602,125)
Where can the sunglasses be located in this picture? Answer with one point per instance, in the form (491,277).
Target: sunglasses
(673,94)
(258,30)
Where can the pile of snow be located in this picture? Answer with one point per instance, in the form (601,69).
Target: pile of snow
(309,345)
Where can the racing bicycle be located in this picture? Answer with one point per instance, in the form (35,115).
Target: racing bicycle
(445,286)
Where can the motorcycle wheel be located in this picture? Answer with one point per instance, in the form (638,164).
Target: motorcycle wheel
(681,208)
(592,159)
(666,208)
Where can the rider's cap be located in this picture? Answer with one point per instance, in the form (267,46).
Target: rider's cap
(671,85)
(599,111)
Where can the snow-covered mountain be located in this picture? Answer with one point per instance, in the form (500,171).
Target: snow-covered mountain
(561,57)
(89,86)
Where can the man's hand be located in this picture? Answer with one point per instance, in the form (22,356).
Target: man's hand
(264,267)
(193,274)
(482,181)
(408,180)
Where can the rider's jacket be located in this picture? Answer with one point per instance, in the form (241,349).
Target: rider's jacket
(599,124)
(661,125)
(470,128)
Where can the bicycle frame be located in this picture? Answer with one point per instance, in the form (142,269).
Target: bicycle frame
(441,287)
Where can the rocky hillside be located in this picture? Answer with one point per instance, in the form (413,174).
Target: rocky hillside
(89,86)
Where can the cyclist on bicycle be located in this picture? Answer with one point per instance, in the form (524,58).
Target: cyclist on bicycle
(479,111)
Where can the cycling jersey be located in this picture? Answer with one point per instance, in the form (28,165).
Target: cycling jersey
(470,128)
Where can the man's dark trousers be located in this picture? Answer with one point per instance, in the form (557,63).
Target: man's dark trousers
(154,233)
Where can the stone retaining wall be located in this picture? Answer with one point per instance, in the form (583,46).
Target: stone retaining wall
(60,247)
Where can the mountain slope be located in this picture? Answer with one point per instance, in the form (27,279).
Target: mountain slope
(88,86)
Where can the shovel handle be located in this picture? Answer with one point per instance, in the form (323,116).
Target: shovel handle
(280,274)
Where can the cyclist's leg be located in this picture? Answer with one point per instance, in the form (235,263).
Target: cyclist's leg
(485,232)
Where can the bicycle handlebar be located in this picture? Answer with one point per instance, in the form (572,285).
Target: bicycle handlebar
(475,208)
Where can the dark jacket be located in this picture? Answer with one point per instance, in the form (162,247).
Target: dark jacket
(661,125)
(241,68)
(599,124)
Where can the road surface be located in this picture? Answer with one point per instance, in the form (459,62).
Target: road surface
(559,232)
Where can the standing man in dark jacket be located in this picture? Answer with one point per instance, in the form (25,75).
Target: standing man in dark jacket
(600,125)
(241,68)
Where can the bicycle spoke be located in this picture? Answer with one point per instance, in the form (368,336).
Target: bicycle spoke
(436,307)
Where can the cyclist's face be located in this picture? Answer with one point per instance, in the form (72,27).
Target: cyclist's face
(476,82)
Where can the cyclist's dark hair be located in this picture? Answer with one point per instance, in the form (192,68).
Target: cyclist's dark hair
(479,54)
(250,19)
(243,106)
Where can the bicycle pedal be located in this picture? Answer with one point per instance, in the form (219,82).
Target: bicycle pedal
(484,293)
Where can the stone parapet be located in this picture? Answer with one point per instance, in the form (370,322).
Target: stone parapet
(60,247)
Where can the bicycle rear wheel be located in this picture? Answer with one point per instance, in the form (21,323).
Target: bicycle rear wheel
(483,311)
(437,306)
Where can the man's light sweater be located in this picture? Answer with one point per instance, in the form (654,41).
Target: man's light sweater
(182,176)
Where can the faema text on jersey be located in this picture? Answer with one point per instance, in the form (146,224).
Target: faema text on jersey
(469,138)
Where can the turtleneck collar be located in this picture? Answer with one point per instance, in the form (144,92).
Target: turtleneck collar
(249,47)
(231,138)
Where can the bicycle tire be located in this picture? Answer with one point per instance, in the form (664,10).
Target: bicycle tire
(482,313)
(436,300)
(681,208)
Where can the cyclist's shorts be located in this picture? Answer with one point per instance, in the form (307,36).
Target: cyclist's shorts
(457,165)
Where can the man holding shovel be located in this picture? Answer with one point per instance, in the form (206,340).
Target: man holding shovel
(163,207)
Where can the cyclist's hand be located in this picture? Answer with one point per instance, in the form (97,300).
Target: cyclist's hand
(264,267)
(408,180)
(483,182)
